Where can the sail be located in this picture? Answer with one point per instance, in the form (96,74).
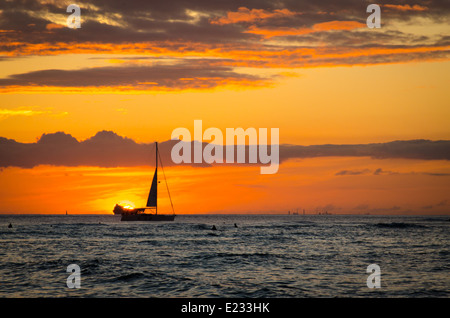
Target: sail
(152,196)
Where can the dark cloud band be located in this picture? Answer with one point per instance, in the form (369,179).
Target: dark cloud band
(181,75)
(107,149)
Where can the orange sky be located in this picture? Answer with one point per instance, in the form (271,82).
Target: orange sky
(321,77)
(404,187)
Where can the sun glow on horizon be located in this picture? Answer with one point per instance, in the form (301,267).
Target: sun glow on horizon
(127,205)
(337,185)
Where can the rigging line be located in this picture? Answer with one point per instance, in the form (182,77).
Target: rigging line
(167,186)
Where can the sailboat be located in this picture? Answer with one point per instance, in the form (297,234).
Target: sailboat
(140,214)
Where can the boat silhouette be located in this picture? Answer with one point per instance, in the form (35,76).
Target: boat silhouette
(142,214)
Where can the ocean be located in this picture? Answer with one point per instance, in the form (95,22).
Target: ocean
(248,256)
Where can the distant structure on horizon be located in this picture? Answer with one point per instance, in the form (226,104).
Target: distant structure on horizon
(296,212)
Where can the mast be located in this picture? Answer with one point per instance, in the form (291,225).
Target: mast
(156,174)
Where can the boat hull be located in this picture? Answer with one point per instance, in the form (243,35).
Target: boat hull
(147,217)
(118,210)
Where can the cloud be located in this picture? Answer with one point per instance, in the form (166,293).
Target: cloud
(377,172)
(405,7)
(175,72)
(407,149)
(104,149)
(6,113)
(440,204)
(184,74)
(19,112)
(52,26)
(380,171)
(244,14)
(258,34)
(352,172)
(436,174)
(107,149)
(319,27)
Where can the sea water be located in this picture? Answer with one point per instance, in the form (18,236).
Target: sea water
(250,256)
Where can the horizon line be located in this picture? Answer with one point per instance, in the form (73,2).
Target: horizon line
(226,213)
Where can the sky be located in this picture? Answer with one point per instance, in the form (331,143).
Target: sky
(362,112)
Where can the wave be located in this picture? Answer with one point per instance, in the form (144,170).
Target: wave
(436,219)
(202,226)
(128,277)
(224,255)
(286,226)
(399,225)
